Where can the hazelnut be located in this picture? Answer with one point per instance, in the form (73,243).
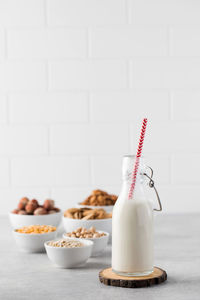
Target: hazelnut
(40,211)
(22,203)
(21,206)
(34,202)
(22,212)
(48,204)
(56,209)
(29,208)
(15,211)
(52,211)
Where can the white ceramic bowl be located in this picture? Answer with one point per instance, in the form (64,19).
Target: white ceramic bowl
(69,257)
(100,224)
(107,208)
(33,243)
(26,220)
(99,243)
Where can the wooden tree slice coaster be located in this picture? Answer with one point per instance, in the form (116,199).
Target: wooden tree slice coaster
(108,277)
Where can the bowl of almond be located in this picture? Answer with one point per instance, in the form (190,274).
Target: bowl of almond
(99,199)
(87,217)
(99,238)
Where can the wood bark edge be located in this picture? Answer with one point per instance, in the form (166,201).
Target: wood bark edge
(133,283)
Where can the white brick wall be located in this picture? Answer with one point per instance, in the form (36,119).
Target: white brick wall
(46,43)
(129,105)
(23,140)
(164,12)
(47,108)
(89,139)
(88,74)
(76,79)
(22,76)
(22,13)
(50,171)
(165,73)
(127,42)
(86,13)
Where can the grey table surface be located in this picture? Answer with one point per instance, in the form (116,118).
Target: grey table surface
(33,276)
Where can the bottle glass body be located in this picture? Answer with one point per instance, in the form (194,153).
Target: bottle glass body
(132,226)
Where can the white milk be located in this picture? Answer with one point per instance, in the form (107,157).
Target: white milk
(132,228)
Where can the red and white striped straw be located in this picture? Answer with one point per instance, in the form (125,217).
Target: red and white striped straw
(138,155)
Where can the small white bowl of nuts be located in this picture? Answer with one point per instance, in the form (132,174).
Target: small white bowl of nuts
(69,253)
(99,199)
(87,217)
(99,238)
(32,238)
(29,212)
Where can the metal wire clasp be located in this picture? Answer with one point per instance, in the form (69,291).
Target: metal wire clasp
(152,185)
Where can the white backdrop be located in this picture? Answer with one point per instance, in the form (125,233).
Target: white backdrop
(76,79)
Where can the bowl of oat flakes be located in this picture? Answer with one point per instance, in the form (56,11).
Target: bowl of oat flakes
(69,253)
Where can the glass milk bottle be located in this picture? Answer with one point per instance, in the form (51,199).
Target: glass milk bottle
(132,225)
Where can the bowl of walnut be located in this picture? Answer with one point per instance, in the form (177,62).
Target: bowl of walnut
(87,218)
(99,199)
(30,212)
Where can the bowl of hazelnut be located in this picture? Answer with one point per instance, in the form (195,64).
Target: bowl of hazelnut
(99,199)
(99,238)
(29,212)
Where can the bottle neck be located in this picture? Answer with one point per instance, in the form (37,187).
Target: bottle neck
(129,164)
(138,189)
